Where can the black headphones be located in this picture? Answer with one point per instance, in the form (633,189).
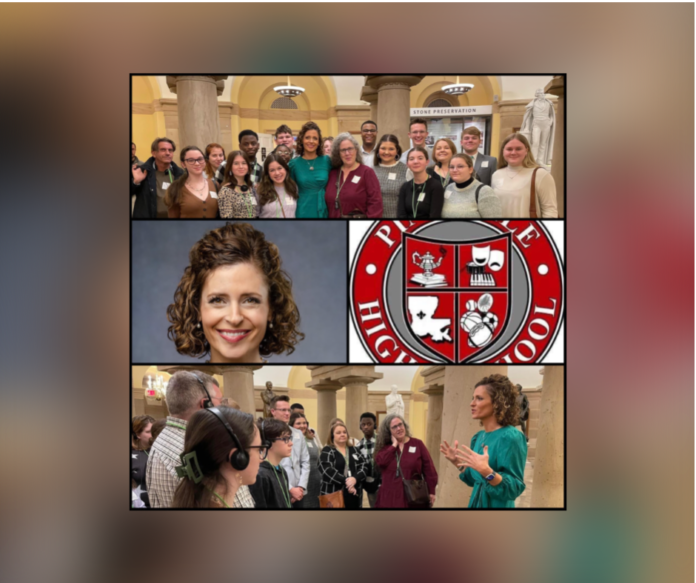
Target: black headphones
(239,460)
(207,402)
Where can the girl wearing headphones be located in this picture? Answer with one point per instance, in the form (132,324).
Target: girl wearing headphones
(221,458)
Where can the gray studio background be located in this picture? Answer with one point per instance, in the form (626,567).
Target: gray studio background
(314,254)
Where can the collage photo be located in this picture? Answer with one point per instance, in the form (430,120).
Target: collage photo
(400,343)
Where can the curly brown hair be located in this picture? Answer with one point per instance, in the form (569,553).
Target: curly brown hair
(504,396)
(299,147)
(230,245)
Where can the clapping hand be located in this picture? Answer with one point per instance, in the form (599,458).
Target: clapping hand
(478,462)
(450,451)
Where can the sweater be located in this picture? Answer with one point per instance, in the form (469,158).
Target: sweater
(460,203)
(390,180)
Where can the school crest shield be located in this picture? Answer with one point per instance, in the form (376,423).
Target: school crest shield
(457,295)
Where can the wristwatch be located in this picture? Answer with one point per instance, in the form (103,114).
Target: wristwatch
(461,469)
(490,476)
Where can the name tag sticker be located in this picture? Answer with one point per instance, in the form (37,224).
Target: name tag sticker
(356,179)
(421,197)
(391,176)
(165,185)
(484,164)
(289,200)
(213,194)
(411,450)
(447,193)
(310,444)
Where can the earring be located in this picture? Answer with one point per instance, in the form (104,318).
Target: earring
(270,325)
(198,325)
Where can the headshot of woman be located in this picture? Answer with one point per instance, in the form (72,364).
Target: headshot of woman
(401,457)
(494,464)
(443,150)
(221,458)
(214,157)
(391,173)
(465,196)
(310,171)
(342,466)
(237,197)
(353,189)
(234,301)
(277,192)
(513,184)
(141,441)
(192,196)
(311,497)
(421,197)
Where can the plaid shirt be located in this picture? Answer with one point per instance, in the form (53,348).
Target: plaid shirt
(243,499)
(366,447)
(160,476)
(256,173)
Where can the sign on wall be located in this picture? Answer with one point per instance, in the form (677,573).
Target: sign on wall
(450,111)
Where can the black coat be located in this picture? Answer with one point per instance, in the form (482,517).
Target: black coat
(146,192)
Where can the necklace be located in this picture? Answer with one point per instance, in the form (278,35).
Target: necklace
(309,163)
(513,174)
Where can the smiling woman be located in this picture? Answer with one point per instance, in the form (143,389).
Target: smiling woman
(234,300)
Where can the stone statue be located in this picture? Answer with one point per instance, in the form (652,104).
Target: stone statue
(538,125)
(395,403)
(266,397)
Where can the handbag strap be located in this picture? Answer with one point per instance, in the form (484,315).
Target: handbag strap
(532,197)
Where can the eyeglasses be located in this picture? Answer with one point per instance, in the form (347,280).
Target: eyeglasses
(347,150)
(194,160)
(263,450)
(399,426)
(286,439)
(369,131)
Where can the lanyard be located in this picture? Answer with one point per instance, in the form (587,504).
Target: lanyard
(398,463)
(170,175)
(247,203)
(414,202)
(218,497)
(339,186)
(172,424)
(281,206)
(285,491)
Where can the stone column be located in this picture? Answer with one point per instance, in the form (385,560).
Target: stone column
(199,120)
(434,377)
(356,402)
(326,404)
(370,94)
(548,465)
(394,104)
(457,424)
(238,382)
(557,87)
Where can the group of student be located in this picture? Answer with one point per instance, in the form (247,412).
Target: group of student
(319,177)
(209,454)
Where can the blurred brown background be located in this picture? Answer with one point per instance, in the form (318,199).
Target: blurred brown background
(65,314)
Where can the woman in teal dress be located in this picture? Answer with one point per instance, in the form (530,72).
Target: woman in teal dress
(494,464)
(311,173)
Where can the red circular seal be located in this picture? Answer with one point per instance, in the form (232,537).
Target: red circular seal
(457,291)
